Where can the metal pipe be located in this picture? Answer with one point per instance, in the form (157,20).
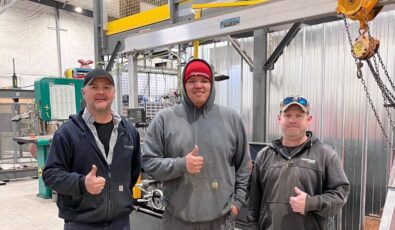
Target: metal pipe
(138,208)
(141,69)
(113,55)
(58,43)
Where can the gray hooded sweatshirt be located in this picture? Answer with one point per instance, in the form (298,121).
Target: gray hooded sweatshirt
(220,135)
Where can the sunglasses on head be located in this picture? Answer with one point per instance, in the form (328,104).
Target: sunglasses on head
(300,100)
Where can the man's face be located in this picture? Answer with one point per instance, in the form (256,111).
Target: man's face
(99,95)
(198,90)
(294,122)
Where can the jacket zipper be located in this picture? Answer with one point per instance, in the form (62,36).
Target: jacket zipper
(109,206)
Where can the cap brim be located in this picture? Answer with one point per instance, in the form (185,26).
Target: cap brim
(101,76)
(295,103)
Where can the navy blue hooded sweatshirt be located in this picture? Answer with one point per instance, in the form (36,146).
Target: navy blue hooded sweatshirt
(72,153)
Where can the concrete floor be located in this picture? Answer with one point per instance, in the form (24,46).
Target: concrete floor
(21,208)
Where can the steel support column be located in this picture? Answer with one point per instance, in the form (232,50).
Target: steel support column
(98,31)
(133,87)
(259,87)
(172,9)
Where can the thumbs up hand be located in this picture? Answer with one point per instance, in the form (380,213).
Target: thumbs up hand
(194,162)
(298,202)
(94,184)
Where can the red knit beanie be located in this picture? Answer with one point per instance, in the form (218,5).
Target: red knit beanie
(197,67)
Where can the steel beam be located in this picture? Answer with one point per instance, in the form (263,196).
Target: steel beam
(242,53)
(250,18)
(11,174)
(16,93)
(269,65)
(113,55)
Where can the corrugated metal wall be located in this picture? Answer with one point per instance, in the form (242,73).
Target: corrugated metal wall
(318,65)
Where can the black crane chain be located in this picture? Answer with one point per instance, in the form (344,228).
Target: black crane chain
(359,65)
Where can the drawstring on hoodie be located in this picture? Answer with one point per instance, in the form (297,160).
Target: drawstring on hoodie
(204,113)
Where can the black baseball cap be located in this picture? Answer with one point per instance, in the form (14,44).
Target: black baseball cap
(97,73)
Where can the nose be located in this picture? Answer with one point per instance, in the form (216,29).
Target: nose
(198,84)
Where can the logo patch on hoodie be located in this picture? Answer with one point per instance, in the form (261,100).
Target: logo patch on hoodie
(131,147)
(310,161)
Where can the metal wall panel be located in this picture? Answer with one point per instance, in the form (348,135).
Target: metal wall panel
(318,65)
(236,92)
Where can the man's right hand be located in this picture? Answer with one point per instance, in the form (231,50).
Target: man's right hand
(194,162)
(94,184)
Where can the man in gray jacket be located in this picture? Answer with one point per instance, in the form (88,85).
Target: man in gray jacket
(297,181)
(199,150)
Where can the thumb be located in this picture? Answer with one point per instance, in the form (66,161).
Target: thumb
(195,151)
(298,191)
(93,171)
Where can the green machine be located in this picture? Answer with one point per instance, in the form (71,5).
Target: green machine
(42,151)
(55,99)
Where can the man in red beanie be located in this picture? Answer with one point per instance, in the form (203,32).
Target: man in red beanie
(199,150)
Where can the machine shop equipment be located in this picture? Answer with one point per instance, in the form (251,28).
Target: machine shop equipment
(16,118)
(55,100)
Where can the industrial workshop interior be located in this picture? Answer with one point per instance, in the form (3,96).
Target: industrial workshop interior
(338,54)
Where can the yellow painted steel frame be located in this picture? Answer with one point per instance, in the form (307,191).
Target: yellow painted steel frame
(198,14)
(155,15)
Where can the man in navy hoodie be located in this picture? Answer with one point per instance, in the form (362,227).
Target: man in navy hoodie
(94,161)
(199,150)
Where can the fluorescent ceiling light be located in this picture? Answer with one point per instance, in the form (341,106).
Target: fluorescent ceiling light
(78,9)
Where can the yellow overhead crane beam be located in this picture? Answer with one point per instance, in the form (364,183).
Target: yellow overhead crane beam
(162,13)
(148,17)
(198,13)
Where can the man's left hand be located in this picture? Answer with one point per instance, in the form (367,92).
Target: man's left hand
(234,210)
(298,202)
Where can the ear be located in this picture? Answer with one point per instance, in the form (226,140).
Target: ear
(83,92)
(279,117)
(309,118)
